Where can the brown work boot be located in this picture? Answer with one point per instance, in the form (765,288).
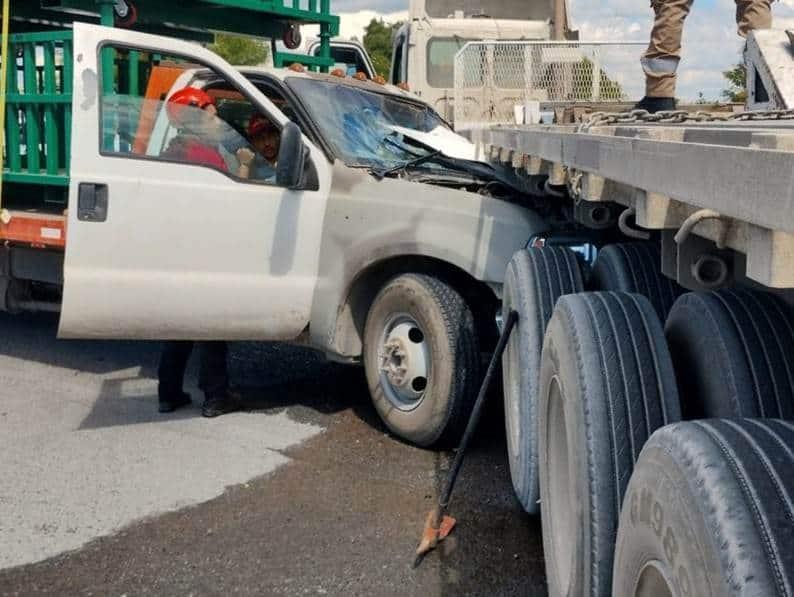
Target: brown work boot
(652,105)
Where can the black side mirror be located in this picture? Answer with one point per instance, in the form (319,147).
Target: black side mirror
(291,157)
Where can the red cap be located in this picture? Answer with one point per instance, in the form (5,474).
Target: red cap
(189,96)
(258,124)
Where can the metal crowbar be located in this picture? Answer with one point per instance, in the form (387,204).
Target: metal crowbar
(437,524)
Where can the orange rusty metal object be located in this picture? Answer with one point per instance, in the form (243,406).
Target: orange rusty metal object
(435,532)
(35,230)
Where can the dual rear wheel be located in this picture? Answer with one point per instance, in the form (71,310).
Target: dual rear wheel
(607,384)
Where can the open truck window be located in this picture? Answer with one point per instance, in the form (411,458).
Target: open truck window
(164,108)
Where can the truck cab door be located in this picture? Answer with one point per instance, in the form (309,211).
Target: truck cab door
(167,237)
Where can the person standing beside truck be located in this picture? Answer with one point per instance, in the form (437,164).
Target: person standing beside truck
(660,61)
(192,111)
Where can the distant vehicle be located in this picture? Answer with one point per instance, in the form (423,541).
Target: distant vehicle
(424,48)
(349,55)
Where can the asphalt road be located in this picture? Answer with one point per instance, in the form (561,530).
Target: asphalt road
(302,494)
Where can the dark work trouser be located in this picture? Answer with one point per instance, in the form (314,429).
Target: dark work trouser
(213,374)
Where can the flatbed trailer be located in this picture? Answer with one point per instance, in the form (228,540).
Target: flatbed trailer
(668,174)
(649,383)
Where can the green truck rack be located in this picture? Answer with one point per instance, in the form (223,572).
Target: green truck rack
(39,94)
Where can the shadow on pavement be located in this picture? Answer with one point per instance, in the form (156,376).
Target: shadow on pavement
(344,516)
(32,337)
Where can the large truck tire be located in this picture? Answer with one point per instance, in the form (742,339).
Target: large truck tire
(636,267)
(733,352)
(422,359)
(606,384)
(535,279)
(709,512)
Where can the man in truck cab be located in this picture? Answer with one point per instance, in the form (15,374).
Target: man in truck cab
(265,137)
(192,111)
(660,61)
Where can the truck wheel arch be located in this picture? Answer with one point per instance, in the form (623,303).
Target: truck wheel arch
(348,330)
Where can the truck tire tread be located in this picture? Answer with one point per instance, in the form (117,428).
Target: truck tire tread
(733,351)
(535,279)
(442,423)
(636,267)
(607,352)
(724,489)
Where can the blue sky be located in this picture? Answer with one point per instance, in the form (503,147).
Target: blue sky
(710,41)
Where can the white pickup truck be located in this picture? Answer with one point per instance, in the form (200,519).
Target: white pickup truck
(368,244)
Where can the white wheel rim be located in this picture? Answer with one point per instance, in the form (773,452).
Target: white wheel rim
(404,362)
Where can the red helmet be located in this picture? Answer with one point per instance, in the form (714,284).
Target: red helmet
(258,125)
(188,96)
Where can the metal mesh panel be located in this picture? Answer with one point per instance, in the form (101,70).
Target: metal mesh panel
(493,78)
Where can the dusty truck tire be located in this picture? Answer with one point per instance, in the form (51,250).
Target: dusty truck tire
(708,512)
(733,352)
(535,279)
(636,267)
(606,384)
(422,359)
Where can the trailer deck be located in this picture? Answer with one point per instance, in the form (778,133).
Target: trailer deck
(669,173)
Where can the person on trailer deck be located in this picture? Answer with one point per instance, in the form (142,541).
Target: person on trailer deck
(192,111)
(660,61)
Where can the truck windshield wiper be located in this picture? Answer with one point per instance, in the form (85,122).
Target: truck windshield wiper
(380,174)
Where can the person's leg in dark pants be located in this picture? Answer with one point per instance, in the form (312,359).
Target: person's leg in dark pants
(214,380)
(171,375)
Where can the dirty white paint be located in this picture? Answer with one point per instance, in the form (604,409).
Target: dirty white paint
(84,453)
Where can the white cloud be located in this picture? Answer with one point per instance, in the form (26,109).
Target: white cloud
(352,24)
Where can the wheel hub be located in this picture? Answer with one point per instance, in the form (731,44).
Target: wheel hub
(404,360)
(394,362)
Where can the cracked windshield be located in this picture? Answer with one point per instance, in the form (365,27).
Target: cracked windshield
(365,127)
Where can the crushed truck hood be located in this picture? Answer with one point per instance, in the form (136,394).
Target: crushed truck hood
(444,140)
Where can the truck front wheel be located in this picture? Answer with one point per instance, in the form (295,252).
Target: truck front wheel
(422,359)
